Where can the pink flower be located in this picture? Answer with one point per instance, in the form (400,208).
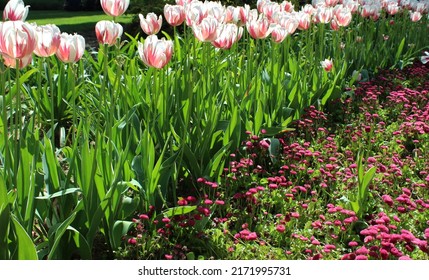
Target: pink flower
(22,62)
(17,39)
(155,52)
(71,48)
(206,31)
(362,251)
(108,32)
(327,64)
(387,199)
(259,28)
(227,35)
(304,20)
(324,14)
(114,8)
(280,228)
(415,16)
(151,24)
(48,40)
(174,14)
(361,257)
(343,16)
(15,10)
(331,3)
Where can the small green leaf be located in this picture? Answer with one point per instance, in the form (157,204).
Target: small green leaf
(179,210)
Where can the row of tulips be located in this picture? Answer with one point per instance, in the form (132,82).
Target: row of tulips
(91,137)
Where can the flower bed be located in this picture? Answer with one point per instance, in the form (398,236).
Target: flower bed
(304,201)
(151,127)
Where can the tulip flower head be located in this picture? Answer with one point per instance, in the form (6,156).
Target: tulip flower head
(206,31)
(259,28)
(48,40)
(227,35)
(15,10)
(174,14)
(108,32)
(22,62)
(327,64)
(279,33)
(114,8)
(71,48)
(151,24)
(425,58)
(415,16)
(17,39)
(155,52)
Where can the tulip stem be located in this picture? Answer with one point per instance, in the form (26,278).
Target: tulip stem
(18,115)
(5,72)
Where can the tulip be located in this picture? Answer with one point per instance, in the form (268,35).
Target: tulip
(194,13)
(343,16)
(240,14)
(259,28)
(206,30)
(279,33)
(290,23)
(327,65)
(15,10)
(392,8)
(227,35)
(155,52)
(22,62)
(287,6)
(415,16)
(425,58)
(151,24)
(107,32)
(324,15)
(331,3)
(114,8)
(309,9)
(304,20)
(17,39)
(216,10)
(174,14)
(183,2)
(48,40)
(71,48)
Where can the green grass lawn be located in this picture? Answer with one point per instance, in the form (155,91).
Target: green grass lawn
(71,22)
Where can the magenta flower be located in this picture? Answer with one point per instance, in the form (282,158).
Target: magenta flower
(280,228)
